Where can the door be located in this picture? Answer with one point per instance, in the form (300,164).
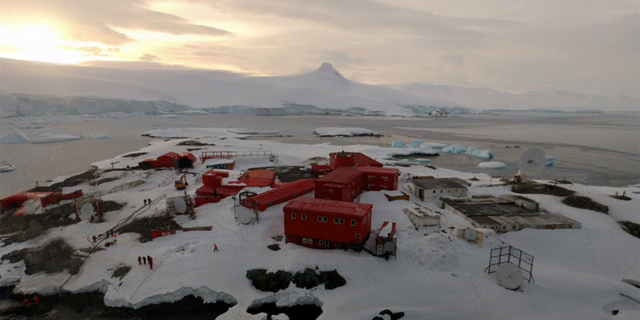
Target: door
(358,238)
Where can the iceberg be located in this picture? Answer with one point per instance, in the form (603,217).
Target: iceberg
(432,145)
(485,154)
(398,144)
(454,148)
(101,136)
(15,136)
(550,160)
(492,165)
(416,143)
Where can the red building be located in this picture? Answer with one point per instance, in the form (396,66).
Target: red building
(284,192)
(344,159)
(46,198)
(326,224)
(170,160)
(213,178)
(346,183)
(258,178)
(341,184)
(213,194)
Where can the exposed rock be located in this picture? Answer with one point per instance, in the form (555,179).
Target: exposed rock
(55,257)
(585,203)
(269,281)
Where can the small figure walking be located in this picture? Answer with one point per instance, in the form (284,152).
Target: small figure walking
(145,202)
(150,262)
(36,300)
(149,201)
(95,239)
(215,247)
(144,260)
(26,302)
(139,260)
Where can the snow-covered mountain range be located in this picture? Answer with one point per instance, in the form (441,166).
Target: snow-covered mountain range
(322,91)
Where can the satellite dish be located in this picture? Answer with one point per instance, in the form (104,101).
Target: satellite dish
(470,234)
(532,161)
(180,205)
(389,246)
(244,216)
(86,211)
(509,276)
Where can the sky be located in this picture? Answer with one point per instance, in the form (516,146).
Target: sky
(589,46)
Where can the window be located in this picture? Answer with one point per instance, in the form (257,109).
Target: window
(385,178)
(335,220)
(383,187)
(304,240)
(293,215)
(448,191)
(371,186)
(371,177)
(310,241)
(341,221)
(337,245)
(303,216)
(353,223)
(504,227)
(319,219)
(320,242)
(330,191)
(434,191)
(440,191)
(325,219)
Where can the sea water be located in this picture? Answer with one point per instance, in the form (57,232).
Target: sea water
(595,149)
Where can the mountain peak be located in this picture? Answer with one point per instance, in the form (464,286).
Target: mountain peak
(327,67)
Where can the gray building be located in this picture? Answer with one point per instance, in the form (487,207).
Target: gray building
(432,188)
(506,213)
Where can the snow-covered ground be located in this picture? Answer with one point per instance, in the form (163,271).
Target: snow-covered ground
(577,272)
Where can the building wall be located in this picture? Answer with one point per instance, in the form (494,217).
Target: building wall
(325,227)
(379,181)
(427,193)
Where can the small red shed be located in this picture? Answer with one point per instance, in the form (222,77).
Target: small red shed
(284,193)
(213,178)
(327,224)
(186,160)
(167,160)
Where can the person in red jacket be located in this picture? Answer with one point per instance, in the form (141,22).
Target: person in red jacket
(139,260)
(150,262)
(36,300)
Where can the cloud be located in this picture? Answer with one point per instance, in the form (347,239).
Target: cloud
(148,57)
(102,21)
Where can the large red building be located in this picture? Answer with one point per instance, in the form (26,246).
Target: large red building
(326,224)
(170,160)
(346,183)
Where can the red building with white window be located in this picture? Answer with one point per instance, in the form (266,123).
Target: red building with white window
(346,183)
(326,224)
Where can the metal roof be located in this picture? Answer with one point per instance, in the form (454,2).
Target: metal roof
(341,175)
(322,206)
(442,183)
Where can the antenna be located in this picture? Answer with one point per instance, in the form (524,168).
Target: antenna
(531,162)
(86,211)
(180,205)
(509,276)
(244,215)
(470,235)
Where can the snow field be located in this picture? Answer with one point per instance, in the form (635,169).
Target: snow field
(434,276)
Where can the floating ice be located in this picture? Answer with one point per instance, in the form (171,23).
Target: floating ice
(432,145)
(423,160)
(550,160)
(344,132)
(398,144)
(492,165)
(416,143)
(454,148)
(101,136)
(48,136)
(485,154)
(15,136)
